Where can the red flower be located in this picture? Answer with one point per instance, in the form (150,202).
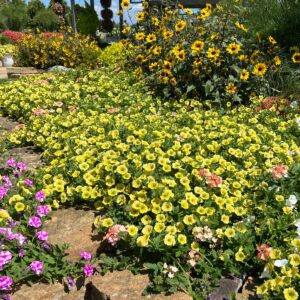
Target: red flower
(214,180)
(263,251)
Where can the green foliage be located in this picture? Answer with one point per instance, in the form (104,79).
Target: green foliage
(4,40)
(46,20)
(280,19)
(34,7)
(13,15)
(87,21)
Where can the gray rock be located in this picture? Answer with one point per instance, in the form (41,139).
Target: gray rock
(227,287)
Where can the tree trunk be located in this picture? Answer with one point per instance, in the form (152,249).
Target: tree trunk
(73,16)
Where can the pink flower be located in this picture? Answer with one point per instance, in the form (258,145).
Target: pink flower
(40,196)
(37,267)
(21,165)
(3,191)
(35,222)
(88,270)
(58,104)
(263,251)
(28,182)
(11,163)
(279,172)
(214,180)
(203,172)
(5,257)
(86,255)
(42,210)
(42,235)
(113,234)
(5,283)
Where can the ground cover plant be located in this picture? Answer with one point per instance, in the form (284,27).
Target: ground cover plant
(210,193)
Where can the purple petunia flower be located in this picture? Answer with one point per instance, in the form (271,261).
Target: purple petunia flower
(3,191)
(5,257)
(21,165)
(88,270)
(35,222)
(7,181)
(86,255)
(40,196)
(46,246)
(22,252)
(20,238)
(42,235)
(42,210)
(5,283)
(37,267)
(28,182)
(11,163)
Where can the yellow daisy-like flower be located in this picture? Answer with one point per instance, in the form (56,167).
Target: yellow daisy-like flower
(233,48)
(125,4)
(197,46)
(244,75)
(213,53)
(151,38)
(180,25)
(260,69)
(140,16)
(231,88)
(277,60)
(296,57)
(167,34)
(230,232)
(140,36)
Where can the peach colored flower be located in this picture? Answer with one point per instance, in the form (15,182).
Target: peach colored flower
(279,172)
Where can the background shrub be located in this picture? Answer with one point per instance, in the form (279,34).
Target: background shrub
(47,50)
(87,19)
(46,20)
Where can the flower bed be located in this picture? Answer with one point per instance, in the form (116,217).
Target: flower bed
(189,195)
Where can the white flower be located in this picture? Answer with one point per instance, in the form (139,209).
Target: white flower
(280,262)
(274,187)
(165,266)
(291,201)
(171,275)
(265,274)
(298,122)
(174,269)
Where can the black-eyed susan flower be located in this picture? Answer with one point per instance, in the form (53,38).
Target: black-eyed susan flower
(140,16)
(151,38)
(197,46)
(244,75)
(231,88)
(260,69)
(125,4)
(213,53)
(233,48)
(296,57)
(140,36)
(180,25)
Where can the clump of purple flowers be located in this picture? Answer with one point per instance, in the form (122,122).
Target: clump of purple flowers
(40,196)
(5,283)
(37,267)
(35,222)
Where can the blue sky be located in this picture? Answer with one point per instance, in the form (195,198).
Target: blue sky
(115,7)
